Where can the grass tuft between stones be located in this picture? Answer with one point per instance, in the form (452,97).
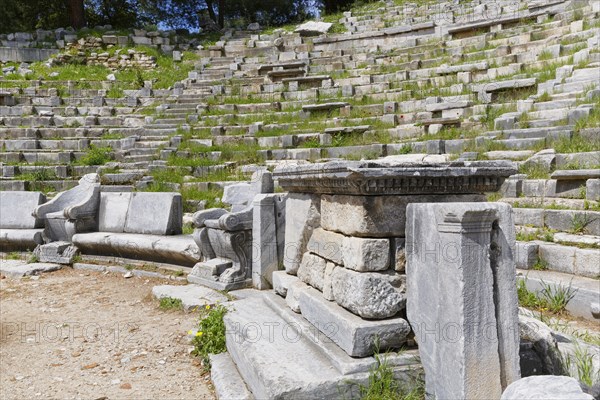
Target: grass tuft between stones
(210,337)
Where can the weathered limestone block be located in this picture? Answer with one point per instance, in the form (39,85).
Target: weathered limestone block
(359,254)
(398,246)
(328,281)
(356,336)
(537,333)
(375,216)
(312,270)
(366,255)
(368,294)
(282,281)
(327,244)
(545,388)
(462,300)
(292,297)
(240,195)
(302,216)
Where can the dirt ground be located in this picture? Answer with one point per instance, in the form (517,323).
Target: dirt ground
(77,334)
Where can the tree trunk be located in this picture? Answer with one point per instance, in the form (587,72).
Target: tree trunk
(222,13)
(211,10)
(76,14)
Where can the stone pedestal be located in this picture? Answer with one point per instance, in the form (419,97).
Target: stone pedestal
(462,301)
(347,230)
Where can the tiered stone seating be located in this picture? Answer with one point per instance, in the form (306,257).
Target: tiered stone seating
(496,80)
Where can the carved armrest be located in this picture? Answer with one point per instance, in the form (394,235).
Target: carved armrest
(237,221)
(84,208)
(212,213)
(51,206)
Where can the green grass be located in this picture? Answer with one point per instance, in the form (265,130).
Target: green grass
(96,156)
(337,27)
(577,144)
(545,55)
(13,256)
(383,385)
(557,296)
(210,338)
(544,234)
(540,265)
(169,303)
(164,75)
(534,170)
(580,365)
(491,113)
(580,222)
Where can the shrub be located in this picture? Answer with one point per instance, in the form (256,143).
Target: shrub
(210,338)
(96,156)
(169,303)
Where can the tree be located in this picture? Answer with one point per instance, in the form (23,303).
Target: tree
(76,14)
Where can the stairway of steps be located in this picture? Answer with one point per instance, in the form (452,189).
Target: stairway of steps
(461,84)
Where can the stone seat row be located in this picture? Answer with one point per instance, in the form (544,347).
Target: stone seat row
(120,219)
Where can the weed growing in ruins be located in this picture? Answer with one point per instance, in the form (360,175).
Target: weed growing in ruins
(32,258)
(544,97)
(491,113)
(527,298)
(584,364)
(13,256)
(170,303)
(210,338)
(580,365)
(337,27)
(540,265)
(188,229)
(96,156)
(384,386)
(557,296)
(545,55)
(534,170)
(579,223)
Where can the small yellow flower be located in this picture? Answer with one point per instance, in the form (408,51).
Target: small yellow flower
(190,332)
(207,307)
(198,334)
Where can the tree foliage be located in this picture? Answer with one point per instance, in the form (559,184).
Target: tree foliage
(28,15)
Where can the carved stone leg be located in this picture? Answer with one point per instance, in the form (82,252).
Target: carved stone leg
(201,238)
(236,246)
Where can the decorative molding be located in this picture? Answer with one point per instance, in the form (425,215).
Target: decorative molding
(376,179)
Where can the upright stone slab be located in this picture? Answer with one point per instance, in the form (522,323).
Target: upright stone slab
(268,220)
(302,217)
(16,210)
(155,214)
(462,300)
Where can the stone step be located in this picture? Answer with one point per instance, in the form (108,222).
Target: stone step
(555,104)
(138,158)
(545,123)
(586,300)
(528,133)
(541,202)
(275,357)
(581,221)
(146,144)
(226,379)
(142,152)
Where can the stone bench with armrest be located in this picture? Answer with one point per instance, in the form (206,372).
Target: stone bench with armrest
(225,238)
(72,211)
(19,229)
(141,226)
